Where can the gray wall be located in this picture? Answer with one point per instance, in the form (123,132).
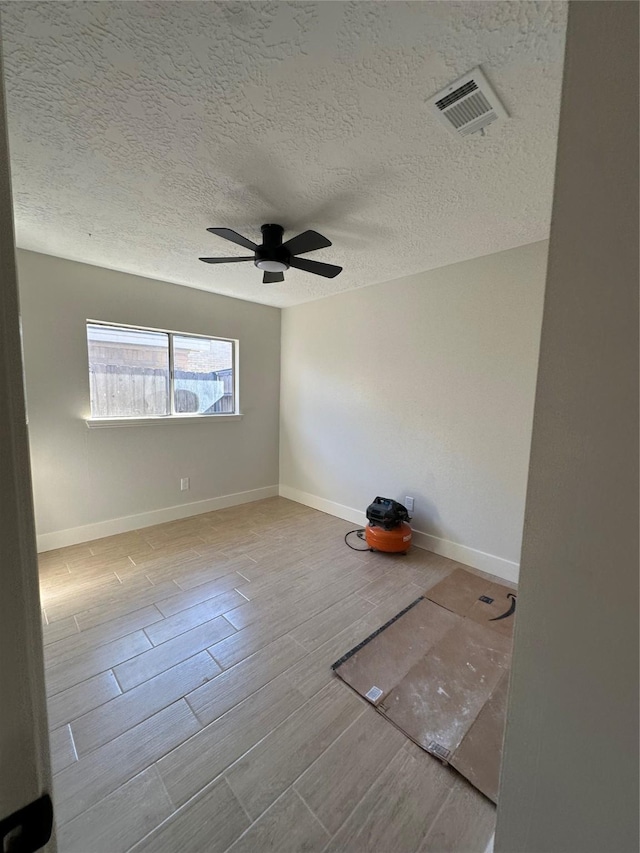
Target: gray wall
(423,386)
(84,477)
(570,771)
(25,765)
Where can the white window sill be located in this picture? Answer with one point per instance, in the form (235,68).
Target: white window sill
(101,423)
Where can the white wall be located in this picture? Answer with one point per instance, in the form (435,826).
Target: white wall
(422,386)
(87,477)
(570,768)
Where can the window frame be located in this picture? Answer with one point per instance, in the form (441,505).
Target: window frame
(172,416)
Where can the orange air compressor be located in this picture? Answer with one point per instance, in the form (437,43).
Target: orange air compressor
(388,529)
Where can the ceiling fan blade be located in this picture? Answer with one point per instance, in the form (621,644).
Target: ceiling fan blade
(272,277)
(327,270)
(227,260)
(228,234)
(308,241)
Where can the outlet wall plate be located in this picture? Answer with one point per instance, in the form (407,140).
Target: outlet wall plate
(408,502)
(184,484)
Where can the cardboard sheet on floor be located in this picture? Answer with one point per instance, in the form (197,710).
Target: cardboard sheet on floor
(439,671)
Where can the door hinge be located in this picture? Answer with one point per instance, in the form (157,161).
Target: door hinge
(28,829)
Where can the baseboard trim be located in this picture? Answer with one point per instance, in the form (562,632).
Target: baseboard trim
(498,566)
(330,507)
(88,532)
(505,569)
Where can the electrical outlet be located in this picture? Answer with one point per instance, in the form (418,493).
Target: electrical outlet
(184,484)
(408,502)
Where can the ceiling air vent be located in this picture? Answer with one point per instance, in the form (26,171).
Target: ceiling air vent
(468,105)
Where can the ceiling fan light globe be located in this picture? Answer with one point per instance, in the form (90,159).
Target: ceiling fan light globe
(271,266)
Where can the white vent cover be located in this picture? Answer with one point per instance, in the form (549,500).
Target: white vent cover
(469,104)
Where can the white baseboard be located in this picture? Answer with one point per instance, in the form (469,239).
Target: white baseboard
(505,569)
(498,566)
(490,563)
(330,507)
(88,532)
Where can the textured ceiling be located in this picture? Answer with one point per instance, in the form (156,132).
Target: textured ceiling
(134,126)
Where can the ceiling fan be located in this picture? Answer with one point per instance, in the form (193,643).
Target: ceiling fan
(273,256)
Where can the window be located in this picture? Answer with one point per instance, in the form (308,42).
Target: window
(141,373)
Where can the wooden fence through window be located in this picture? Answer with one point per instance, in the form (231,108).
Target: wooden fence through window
(120,391)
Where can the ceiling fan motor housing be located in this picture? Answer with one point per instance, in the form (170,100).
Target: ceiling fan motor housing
(271,256)
(272,235)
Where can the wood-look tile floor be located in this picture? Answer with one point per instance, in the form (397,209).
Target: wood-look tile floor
(192,705)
